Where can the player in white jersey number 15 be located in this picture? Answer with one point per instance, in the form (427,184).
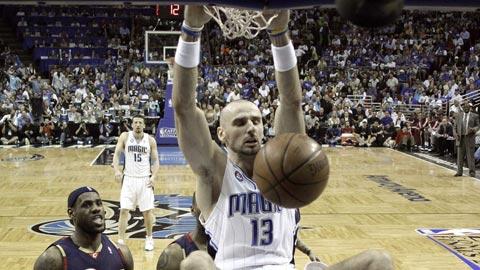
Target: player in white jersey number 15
(137,178)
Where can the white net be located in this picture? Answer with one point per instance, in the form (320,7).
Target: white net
(236,23)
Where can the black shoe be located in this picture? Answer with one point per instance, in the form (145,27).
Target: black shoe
(458,174)
(472,174)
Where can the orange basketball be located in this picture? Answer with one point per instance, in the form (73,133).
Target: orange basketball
(291,170)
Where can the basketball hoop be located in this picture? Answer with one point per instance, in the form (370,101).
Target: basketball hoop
(238,23)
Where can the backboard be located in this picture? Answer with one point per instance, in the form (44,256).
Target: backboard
(160,45)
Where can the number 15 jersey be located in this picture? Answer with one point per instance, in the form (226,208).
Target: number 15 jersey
(246,231)
(137,156)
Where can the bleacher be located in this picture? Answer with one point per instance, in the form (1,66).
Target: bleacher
(69,36)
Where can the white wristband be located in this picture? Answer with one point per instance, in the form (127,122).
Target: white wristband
(284,58)
(188,53)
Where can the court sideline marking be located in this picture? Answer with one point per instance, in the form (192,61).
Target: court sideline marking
(95,159)
(431,162)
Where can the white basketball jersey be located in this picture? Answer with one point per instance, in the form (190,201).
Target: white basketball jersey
(137,156)
(246,231)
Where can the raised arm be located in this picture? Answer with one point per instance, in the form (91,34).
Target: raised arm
(289,116)
(201,152)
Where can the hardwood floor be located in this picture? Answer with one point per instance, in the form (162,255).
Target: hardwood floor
(376,198)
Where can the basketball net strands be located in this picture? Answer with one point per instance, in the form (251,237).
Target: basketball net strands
(235,19)
(244,18)
(236,23)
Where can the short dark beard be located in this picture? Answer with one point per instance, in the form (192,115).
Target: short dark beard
(97,231)
(94,229)
(249,153)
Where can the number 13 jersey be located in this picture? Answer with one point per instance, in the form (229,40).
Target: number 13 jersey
(137,156)
(248,232)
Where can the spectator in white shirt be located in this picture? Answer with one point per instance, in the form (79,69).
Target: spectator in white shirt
(392,82)
(264,90)
(234,95)
(81,91)
(455,108)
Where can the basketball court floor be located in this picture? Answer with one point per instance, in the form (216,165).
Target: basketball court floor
(376,198)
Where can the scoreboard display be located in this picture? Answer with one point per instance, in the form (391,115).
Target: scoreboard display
(173,11)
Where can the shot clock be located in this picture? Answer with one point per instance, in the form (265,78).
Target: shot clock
(173,11)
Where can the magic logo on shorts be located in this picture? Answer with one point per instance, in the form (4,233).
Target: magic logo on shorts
(463,243)
(172,214)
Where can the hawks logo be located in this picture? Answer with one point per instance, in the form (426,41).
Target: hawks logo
(463,243)
(172,213)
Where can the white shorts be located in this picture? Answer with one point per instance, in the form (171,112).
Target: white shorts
(135,192)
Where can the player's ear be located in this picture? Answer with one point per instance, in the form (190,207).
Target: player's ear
(70,213)
(221,134)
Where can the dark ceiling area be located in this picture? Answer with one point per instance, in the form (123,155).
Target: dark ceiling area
(433,3)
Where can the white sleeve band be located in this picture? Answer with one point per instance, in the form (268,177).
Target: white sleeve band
(284,58)
(188,53)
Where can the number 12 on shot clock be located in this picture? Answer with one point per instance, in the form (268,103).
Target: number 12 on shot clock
(173,11)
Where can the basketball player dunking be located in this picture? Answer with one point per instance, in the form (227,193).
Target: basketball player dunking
(245,230)
(141,165)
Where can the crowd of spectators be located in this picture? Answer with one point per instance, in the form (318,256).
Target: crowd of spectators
(79,103)
(425,61)
(356,82)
